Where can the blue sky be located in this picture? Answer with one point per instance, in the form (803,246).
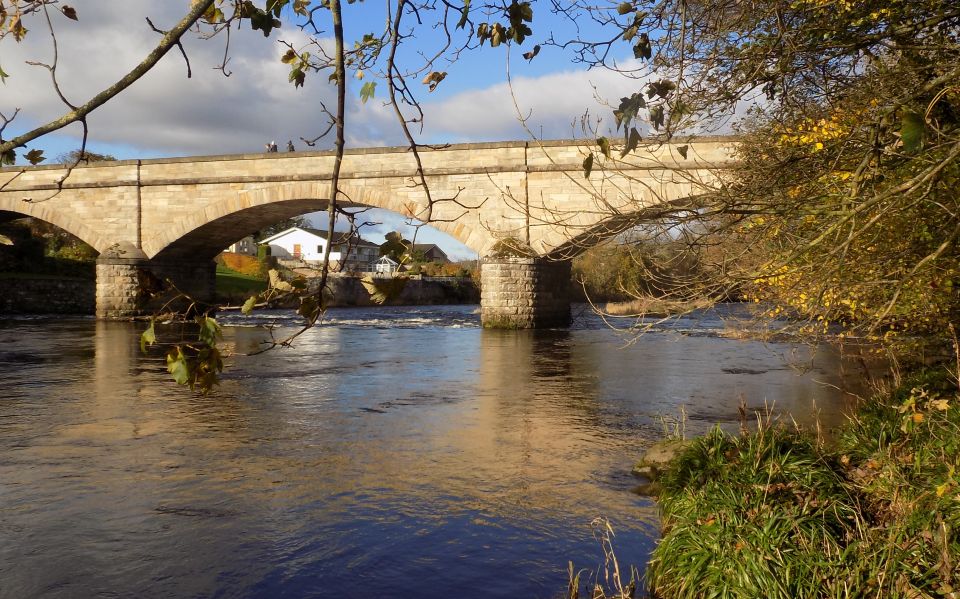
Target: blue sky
(166,114)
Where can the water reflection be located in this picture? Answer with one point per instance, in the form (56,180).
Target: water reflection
(371,459)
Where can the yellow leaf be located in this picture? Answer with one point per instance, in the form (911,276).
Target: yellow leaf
(918,418)
(940,404)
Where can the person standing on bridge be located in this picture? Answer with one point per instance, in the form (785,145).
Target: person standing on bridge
(290,147)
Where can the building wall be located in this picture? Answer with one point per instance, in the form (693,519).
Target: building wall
(246,246)
(311,247)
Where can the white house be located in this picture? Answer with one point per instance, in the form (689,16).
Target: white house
(307,245)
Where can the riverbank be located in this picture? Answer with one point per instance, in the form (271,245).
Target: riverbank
(777,513)
(652,307)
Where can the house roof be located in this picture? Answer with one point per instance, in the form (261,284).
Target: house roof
(338,238)
(427,247)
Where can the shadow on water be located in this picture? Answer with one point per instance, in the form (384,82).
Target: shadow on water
(371,459)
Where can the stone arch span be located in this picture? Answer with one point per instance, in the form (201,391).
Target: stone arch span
(204,233)
(58,218)
(587,237)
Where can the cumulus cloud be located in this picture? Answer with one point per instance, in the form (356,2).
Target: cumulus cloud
(167,113)
(552,105)
(164,111)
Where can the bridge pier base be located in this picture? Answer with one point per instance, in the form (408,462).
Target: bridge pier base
(120,290)
(127,281)
(524,293)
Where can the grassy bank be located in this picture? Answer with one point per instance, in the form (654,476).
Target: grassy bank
(237,287)
(773,513)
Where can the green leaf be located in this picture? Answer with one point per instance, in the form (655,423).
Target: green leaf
(177,365)
(3,75)
(633,140)
(604,144)
(911,131)
(661,88)
(69,12)
(297,76)
(497,34)
(628,109)
(643,49)
(656,117)
(383,290)
(309,307)
(148,337)
(367,91)
(464,14)
(209,330)
(533,53)
(8,158)
(588,165)
(288,57)
(35,156)
(249,305)
(682,150)
(624,8)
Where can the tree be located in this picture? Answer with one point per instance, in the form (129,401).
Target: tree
(296,221)
(844,210)
(80,156)
(395,247)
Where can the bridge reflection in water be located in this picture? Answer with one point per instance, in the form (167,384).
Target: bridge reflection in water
(393,453)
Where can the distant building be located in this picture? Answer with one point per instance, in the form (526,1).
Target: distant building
(430,252)
(246,246)
(307,245)
(385,264)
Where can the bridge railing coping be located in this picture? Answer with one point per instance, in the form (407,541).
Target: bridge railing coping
(486,145)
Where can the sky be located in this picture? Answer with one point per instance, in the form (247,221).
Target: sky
(167,114)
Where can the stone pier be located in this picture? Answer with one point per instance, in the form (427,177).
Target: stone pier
(129,284)
(524,293)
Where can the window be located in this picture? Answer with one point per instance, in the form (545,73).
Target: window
(319,249)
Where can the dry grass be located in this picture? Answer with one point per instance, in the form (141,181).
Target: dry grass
(655,307)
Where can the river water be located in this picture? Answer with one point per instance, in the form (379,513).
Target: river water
(393,452)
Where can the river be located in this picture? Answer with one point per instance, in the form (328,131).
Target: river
(393,452)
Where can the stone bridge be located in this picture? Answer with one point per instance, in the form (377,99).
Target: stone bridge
(172,216)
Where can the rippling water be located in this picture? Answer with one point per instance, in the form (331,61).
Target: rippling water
(393,452)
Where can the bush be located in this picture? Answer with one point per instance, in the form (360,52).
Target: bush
(774,514)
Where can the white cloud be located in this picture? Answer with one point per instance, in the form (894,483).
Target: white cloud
(552,105)
(165,113)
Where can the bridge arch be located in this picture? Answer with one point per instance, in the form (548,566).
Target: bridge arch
(64,220)
(205,233)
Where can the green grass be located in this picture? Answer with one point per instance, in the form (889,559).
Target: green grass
(234,285)
(774,514)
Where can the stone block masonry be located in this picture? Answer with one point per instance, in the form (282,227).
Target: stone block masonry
(524,293)
(169,217)
(127,282)
(46,296)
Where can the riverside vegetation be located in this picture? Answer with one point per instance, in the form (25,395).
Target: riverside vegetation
(778,513)
(775,513)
